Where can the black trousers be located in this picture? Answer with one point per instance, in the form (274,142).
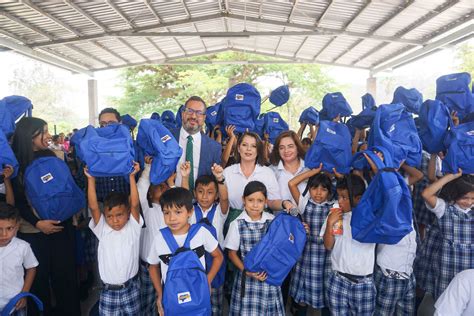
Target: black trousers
(56,271)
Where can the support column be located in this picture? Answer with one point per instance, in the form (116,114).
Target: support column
(371,86)
(93,101)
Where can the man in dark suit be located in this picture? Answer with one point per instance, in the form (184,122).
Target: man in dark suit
(200,150)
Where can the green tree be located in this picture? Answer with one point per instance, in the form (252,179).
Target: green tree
(465,55)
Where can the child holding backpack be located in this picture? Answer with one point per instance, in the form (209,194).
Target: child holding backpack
(180,248)
(312,270)
(212,214)
(153,216)
(118,231)
(244,233)
(455,223)
(350,288)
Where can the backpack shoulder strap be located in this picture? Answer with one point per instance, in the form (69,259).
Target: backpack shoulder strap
(198,212)
(191,233)
(169,238)
(11,304)
(212,212)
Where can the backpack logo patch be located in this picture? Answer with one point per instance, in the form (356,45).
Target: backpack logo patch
(214,113)
(330,131)
(276,120)
(239,97)
(392,128)
(184,297)
(470,133)
(291,238)
(165,138)
(47,177)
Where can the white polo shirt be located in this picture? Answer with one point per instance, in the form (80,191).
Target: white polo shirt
(202,238)
(232,240)
(236,181)
(183,141)
(14,258)
(349,255)
(398,257)
(441,206)
(283,176)
(458,298)
(218,222)
(118,250)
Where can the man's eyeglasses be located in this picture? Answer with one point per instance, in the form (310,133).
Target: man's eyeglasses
(104,123)
(197,112)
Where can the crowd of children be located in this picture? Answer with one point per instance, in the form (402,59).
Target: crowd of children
(144,233)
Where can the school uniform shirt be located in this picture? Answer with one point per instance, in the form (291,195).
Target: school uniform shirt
(218,221)
(398,257)
(118,250)
(458,298)
(160,250)
(283,176)
(14,258)
(153,216)
(236,181)
(232,240)
(348,255)
(183,141)
(440,208)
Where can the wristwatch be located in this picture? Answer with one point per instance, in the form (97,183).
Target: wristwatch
(222,181)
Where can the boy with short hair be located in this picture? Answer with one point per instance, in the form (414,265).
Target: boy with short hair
(119,244)
(16,256)
(351,288)
(177,206)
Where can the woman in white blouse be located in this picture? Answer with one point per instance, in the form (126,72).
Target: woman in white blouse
(250,166)
(287,159)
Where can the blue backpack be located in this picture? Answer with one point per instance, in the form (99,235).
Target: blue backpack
(410,98)
(7,122)
(168,119)
(280,95)
(394,129)
(10,307)
(206,222)
(460,144)
(186,291)
(19,106)
(384,213)
(365,118)
(178,117)
(259,125)
(129,121)
(332,147)
(155,116)
(333,105)
(279,250)
(157,141)
(107,151)
(241,107)
(51,189)
(212,118)
(433,123)
(309,116)
(274,125)
(7,157)
(453,90)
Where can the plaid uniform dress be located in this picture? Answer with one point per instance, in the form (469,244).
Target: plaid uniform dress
(147,292)
(457,248)
(349,298)
(427,258)
(312,270)
(394,296)
(260,298)
(423,215)
(217,300)
(121,302)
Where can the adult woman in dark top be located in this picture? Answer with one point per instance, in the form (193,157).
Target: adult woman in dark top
(52,242)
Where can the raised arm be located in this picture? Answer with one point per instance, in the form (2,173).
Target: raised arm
(432,168)
(218,172)
(9,195)
(185,170)
(414,175)
(355,140)
(134,199)
(92,197)
(430,193)
(230,144)
(328,238)
(144,181)
(293,184)
(301,130)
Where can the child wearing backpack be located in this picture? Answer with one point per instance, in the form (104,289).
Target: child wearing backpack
(212,214)
(312,270)
(350,288)
(118,230)
(154,221)
(194,299)
(454,251)
(244,233)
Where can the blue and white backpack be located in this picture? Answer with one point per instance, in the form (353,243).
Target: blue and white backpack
(280,95)
(186,291)
(334,104)
(460,144)
(168,119)
(206,222)
(433,122)
(51,189)
(241,107)
(410,98)
(279,250)
(309,116)
(454,91)
(274,125)
(7,157)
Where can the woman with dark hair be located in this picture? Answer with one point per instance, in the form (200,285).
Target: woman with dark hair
(52,242)
(287,161)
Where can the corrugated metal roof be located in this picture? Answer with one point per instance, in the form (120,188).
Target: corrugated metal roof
(102,34)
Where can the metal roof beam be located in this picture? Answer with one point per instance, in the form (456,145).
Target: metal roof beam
(152,10)
(156,47)
(300,47)
(21,49)
(133,49)
(26,25)
(293,8)
(353,45)
(323,48)
(464,32)
(120,13)
(323,15)
(85,14)
(109,51)
(83,52)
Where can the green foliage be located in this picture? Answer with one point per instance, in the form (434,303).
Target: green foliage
(465,54)
(155,88)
